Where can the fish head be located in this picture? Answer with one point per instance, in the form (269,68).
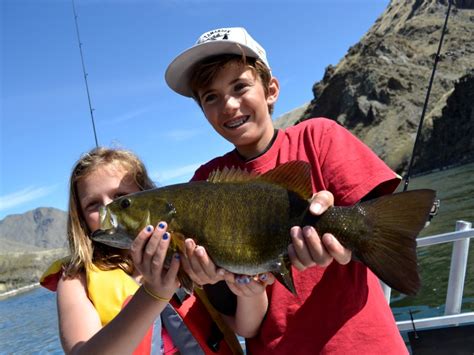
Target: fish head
(126,216)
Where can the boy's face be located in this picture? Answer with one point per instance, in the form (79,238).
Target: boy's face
(236,106)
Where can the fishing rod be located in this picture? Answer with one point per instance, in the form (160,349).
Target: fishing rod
(91,110)
(428,92)
(436,204)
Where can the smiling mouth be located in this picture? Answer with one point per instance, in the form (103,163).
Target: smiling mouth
(236,123)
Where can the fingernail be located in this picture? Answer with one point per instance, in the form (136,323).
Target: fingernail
(166,236)
(316,208)
(263,277)
(307,231)
(161,225)
(149,228)
(243,280)
(329,239)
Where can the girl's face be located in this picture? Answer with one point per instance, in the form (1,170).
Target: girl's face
(99,189)
(236,106)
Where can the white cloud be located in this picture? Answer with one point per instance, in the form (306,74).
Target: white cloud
(182,134)
(126,116)
(26,195)
(176,173)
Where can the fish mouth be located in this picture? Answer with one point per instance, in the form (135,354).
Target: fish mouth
(236,122)
(107,220)
(114,237)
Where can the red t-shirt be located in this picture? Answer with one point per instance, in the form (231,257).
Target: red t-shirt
(340,308)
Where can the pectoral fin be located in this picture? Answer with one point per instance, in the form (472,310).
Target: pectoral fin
(284,274)
(186,283)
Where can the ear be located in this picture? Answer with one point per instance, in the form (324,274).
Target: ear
(273,91)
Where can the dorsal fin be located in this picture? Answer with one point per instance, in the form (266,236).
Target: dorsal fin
(230,175)
(294,176)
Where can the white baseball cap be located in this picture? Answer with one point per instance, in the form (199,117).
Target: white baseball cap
(232,40)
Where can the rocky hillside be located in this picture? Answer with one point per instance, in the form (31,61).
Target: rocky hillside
(41,228)
(378,89)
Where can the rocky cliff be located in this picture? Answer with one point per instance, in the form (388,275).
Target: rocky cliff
(378,89)
(41,228)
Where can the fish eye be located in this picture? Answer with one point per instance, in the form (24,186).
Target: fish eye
(125,203)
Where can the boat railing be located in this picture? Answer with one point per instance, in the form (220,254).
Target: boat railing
(457,274)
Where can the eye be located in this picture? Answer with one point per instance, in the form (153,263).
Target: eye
(125,203)
(239,86)
(209,98)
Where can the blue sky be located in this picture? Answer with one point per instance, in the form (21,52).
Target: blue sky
(127,45)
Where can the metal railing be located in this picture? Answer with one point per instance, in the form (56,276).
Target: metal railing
(457,274)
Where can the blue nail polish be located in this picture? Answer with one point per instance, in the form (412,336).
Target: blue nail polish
(166,236)
(149,228)
(161,225)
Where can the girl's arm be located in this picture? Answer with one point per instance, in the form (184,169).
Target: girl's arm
(79,324)
(252,302)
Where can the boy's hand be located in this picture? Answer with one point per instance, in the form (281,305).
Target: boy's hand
(307,248)
(199,266)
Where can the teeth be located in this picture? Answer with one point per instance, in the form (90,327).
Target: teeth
(237,123)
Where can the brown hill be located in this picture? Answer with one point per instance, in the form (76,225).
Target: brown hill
(41,228)
(378,89)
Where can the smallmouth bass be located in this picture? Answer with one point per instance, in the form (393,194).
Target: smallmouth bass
(243,221)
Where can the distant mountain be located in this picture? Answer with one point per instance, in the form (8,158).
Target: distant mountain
(378,89)
(41,228)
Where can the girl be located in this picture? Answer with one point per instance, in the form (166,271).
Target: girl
(110,300)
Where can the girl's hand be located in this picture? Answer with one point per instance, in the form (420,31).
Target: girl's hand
(248,286)
(307,248)
(199,266)
(148,253)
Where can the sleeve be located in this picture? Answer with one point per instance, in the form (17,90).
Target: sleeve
(51,276)
(200,174)
(351,170)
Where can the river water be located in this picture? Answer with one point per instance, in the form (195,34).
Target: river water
(28,321)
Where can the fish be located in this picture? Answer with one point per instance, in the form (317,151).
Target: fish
(243,221)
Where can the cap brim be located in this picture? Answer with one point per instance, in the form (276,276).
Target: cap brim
(178,73)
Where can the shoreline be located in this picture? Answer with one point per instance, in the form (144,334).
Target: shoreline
(17,291)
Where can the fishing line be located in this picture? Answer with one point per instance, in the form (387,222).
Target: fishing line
(418,133)
(91,110)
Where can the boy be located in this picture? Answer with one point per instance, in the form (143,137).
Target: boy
(340,306)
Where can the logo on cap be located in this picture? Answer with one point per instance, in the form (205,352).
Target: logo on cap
(215,35)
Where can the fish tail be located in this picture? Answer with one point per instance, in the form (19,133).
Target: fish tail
(390,251)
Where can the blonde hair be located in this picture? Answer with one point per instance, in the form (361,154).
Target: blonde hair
(83,251)
(205,71)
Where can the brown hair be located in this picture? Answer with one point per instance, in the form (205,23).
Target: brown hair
(83,251)
(205,71)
